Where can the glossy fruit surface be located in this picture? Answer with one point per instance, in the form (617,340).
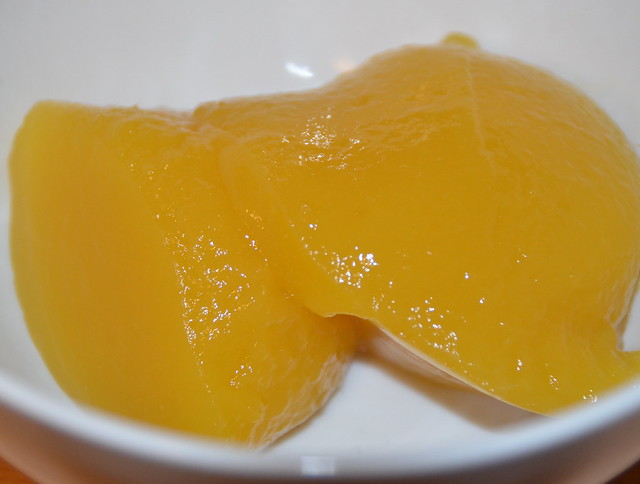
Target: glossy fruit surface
(142,291)
(481,212)
(203,270)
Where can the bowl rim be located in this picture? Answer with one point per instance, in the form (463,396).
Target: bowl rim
(200,454)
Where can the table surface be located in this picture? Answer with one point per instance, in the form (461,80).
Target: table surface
(9,475)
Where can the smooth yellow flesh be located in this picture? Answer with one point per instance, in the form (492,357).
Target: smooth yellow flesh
(141,290)
(201,270)
(479,211)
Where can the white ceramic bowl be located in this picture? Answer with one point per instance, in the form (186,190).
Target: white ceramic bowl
(382,425)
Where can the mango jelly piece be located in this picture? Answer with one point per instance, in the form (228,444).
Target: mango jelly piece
(142,291)
(479,211)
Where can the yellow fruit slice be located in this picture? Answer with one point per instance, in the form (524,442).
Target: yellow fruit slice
(141,289)
(479,211)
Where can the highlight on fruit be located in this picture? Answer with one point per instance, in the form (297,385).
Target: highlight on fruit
(215,271)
